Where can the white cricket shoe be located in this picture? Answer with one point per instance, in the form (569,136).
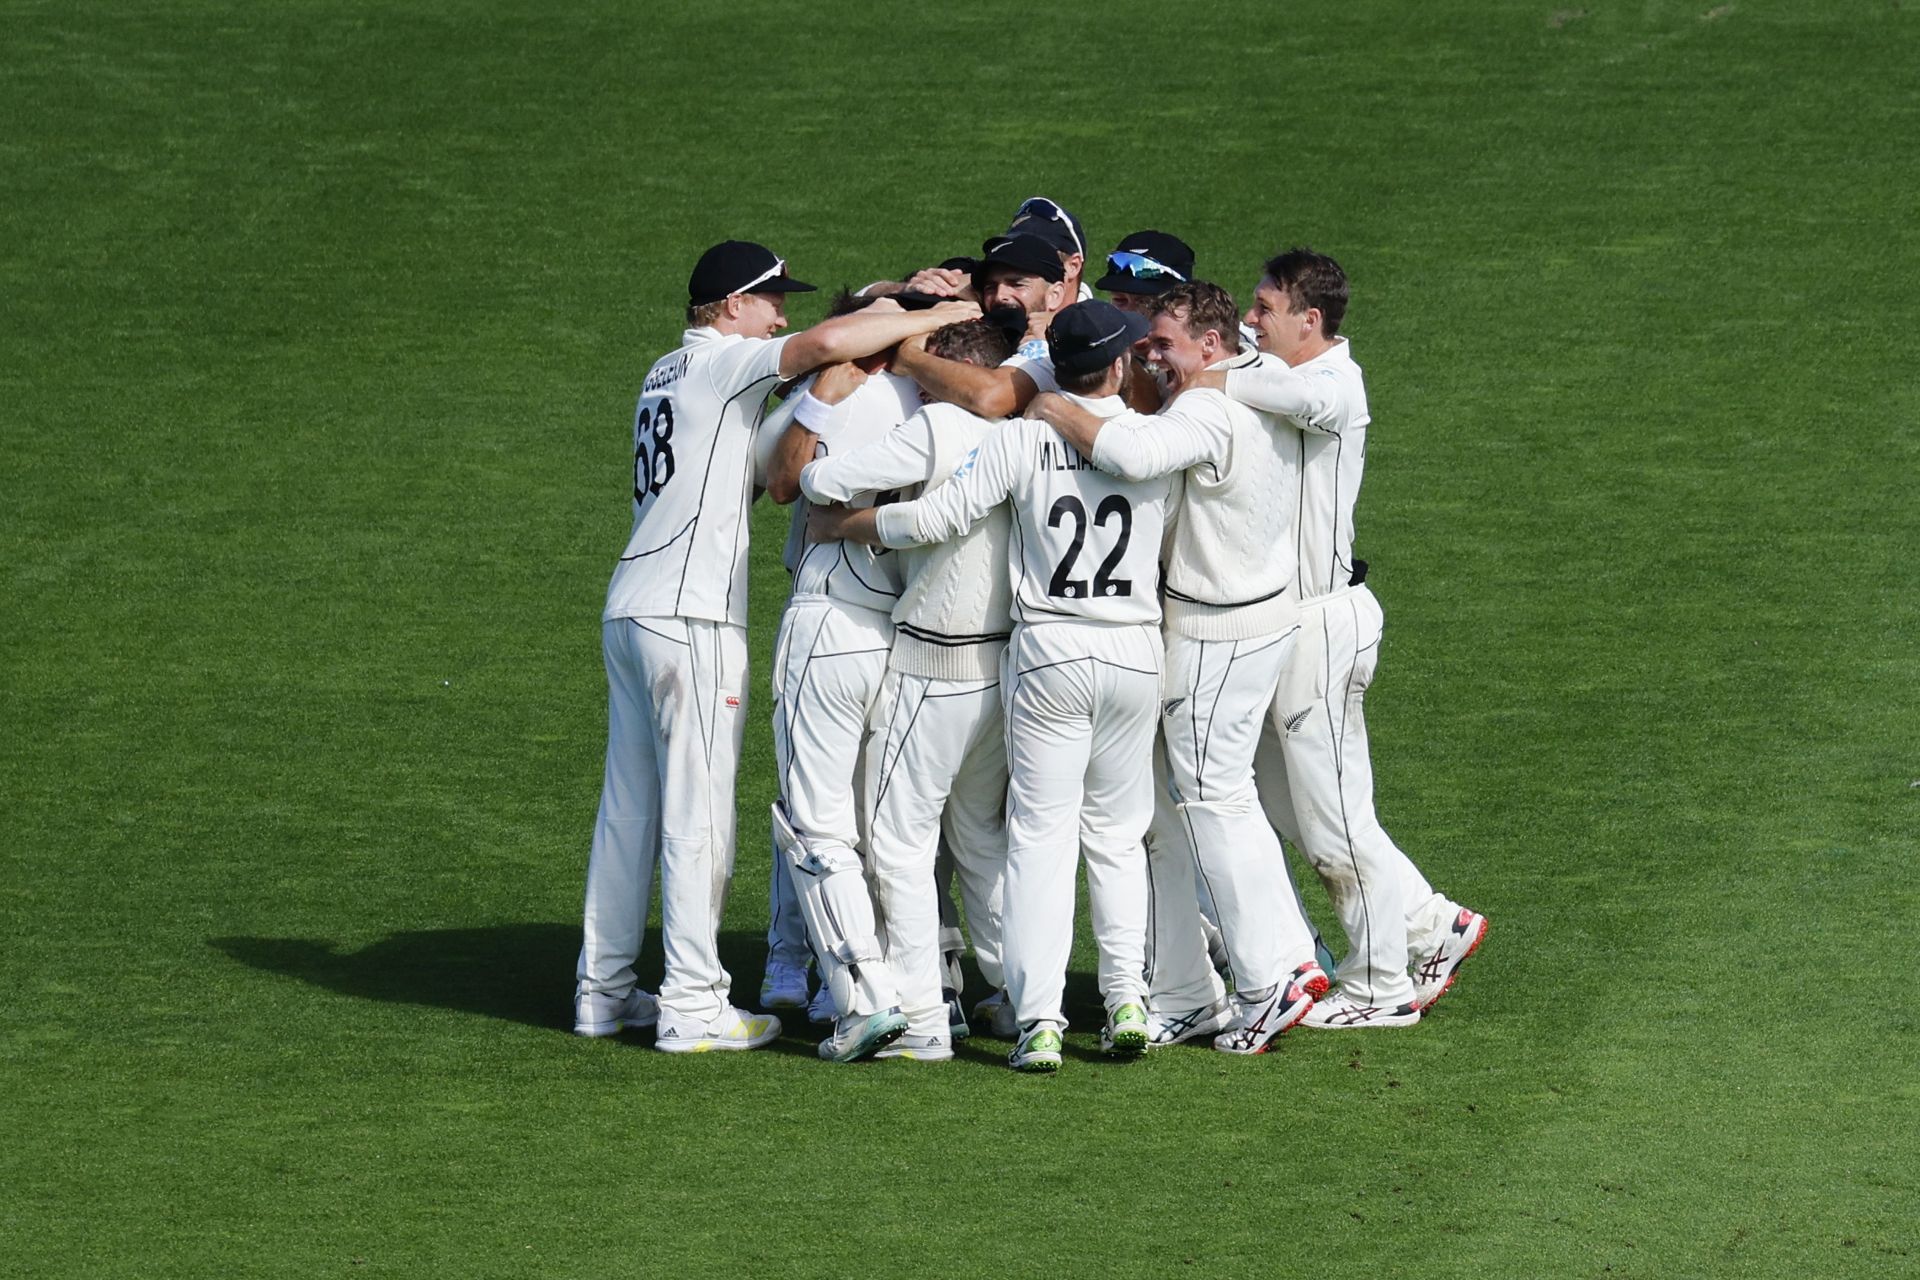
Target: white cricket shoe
(956,1015)
(821,1009)
(1180,1025)
(732,1029)
(935,1048)
(1435,974)
(784,986)
(857,1035)
(1341,1012)
(997,1012)
(1038,1049)
(600,1015)
(1264,1015)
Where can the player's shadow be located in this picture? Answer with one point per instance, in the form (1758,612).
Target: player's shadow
(513,972)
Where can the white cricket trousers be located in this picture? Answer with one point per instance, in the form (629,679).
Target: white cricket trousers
(829,661)
(937,759)
(1216,696)
(1180,972)
(1319,792)
(1081,700)
(675,689)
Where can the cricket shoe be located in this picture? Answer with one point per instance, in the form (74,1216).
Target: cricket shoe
(1341,1012)
(859,1034)
(934,1048)
(1182,1025)
(997,1012)
(821,1009)
(598,1015)
(1434,978)
(1126,1034)
(784,986)
(956,1015)
(1038,1050)
(1264,1016)
(732,1029)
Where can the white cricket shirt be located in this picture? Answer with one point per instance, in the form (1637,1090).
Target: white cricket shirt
(852,572)
(1085,545)
(1325,397)
(1230,559)
(693,435)
(956,600)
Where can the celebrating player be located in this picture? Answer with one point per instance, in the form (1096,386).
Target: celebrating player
(1323,797)
(674,639)
(1143,266)
(937,749)
(1231,624)
(1083,672)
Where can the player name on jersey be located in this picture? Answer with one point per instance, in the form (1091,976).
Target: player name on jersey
(1058,455)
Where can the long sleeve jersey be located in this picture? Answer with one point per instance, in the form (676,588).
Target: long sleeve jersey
(1085,544)
(1326,398)
(1230,558)
(954,613)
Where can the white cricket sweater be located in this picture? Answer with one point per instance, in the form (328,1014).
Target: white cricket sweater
(693,458)
(1326,397)
(853,573)
(954,613)
(1229,559)
(1085,544)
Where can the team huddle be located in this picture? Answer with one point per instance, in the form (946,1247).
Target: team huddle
(1072,579)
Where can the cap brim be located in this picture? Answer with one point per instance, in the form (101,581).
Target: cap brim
(783,284)
(1120,282)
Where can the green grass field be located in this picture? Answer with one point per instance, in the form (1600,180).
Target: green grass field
(320,326)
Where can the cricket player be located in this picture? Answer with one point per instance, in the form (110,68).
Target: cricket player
(1143,266)
(674,640)
(1231,624)
(831,657)
(1080,682)
(1323,797)
(1018,271)
(937,757)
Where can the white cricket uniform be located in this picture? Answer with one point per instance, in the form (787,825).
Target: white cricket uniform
(1326,783)
(1080,682)
(830,658)
(674,641)
(937,757)
(1031,358)
(1231,622)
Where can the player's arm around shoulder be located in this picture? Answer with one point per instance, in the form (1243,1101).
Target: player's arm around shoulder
(1311,400)
(902,457)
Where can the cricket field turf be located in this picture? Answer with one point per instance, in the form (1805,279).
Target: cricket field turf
(320,328)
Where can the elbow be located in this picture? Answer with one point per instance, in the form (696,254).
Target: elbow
(783,489)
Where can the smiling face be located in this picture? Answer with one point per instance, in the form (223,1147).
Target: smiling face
(1009,287)
(761,315)
(1291,335)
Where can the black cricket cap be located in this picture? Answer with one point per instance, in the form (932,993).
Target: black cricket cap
(1029,255)
(1048,219)
(739,266)
(1149,262)
(1090,335)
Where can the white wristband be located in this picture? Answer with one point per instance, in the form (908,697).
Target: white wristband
(811,413)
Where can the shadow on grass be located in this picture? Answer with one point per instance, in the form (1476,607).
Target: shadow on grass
(524,973)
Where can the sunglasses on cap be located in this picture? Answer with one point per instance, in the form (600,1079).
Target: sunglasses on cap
(1141,266)
(778,268)
(1041,207)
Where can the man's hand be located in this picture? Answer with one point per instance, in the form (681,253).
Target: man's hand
(941,282)
(957,311)
(825,524)
(1037,322)
(1047,406)
(838,381)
